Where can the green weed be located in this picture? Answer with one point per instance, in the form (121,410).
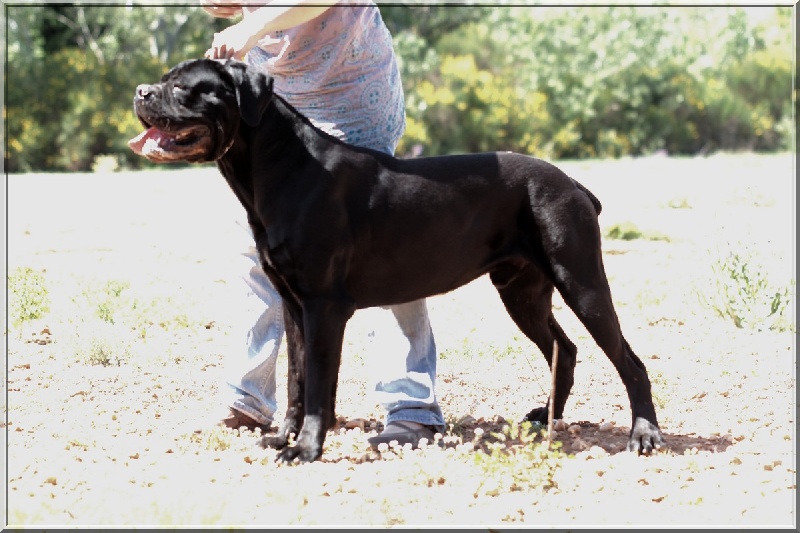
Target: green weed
(742,292)
(107,352)
(109,300)
(471,350)
(518,459)
(101,343)
(112,320)
(29,298)
(628,231)
(679,203)
(116,302)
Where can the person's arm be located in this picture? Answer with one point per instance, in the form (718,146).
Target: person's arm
(221,8)
(236,40)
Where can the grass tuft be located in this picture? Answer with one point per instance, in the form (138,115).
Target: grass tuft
(744,293)
(29,297)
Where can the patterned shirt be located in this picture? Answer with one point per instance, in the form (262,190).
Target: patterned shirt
(339,69)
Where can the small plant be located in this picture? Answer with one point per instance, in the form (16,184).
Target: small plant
(628,231)
(742,292)
(115,287)
(116,302)
(103,344)
(679,203)
(470,350)
(111,300)
(625,231)
(105,312)
(99,352)
(518,459)
(29,296)
(107,352)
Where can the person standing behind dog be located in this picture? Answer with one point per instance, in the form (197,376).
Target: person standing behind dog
(335,64)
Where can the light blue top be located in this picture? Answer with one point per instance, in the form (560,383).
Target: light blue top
(339,69)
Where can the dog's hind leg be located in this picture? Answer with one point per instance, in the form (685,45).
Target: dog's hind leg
(527,294)
(571,240)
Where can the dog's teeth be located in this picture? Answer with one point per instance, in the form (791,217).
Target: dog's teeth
(151,145)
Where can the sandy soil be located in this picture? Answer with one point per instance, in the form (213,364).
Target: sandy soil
(98,445)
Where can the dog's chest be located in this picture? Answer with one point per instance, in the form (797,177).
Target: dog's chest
(278,258)
(279,272)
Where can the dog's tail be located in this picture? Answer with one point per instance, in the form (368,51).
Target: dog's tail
(598,207)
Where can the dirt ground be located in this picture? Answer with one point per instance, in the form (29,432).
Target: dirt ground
(133,443)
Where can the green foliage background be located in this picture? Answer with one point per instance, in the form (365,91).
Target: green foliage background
(577,82)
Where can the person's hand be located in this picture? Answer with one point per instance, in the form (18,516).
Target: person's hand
(221,8)
(231,43)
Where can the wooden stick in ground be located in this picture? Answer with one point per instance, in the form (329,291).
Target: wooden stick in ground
(550,406)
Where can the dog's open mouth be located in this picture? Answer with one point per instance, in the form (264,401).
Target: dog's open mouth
(185,144)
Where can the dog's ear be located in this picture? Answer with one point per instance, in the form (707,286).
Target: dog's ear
(253,90)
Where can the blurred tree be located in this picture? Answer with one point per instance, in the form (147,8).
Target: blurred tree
(617,80)
(558,82)
(71,74)
(430,22)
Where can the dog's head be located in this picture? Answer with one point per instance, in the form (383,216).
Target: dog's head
(194,112)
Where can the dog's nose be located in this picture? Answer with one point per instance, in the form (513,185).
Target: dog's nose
(144,91)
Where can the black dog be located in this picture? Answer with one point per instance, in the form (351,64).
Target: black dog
(340,228)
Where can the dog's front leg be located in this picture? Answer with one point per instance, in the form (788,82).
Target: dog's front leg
(323,326)
(296,382)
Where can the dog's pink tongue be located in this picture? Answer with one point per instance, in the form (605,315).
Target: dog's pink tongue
(148,142)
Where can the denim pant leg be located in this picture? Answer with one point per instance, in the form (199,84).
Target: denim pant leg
(406,385)
(250,382)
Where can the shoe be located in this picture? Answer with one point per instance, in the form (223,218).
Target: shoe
(402,432)
(237,419)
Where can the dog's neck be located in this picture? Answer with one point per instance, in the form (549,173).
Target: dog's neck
(264,159)
(304,129)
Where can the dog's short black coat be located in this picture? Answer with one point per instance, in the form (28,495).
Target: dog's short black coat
(340,228)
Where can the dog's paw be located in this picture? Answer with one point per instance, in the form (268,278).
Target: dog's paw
(645,437)
(276,442)
(298,454)
(538,415)
(282,438)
